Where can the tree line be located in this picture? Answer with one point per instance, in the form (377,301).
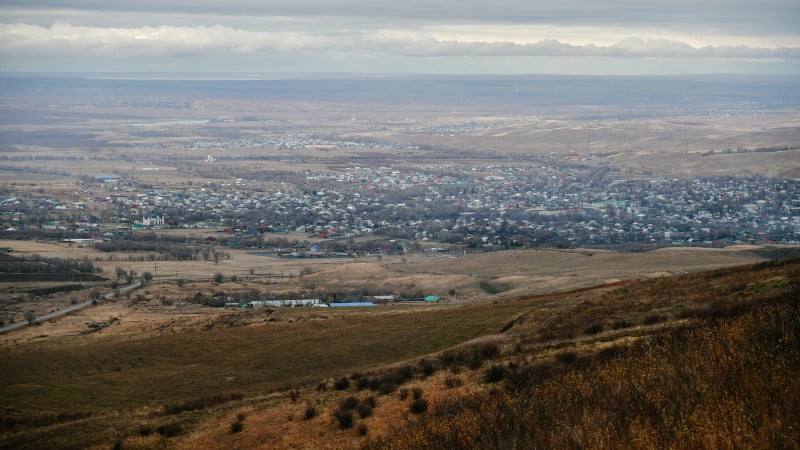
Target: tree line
(39,264)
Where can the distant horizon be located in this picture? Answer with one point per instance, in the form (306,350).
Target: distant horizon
(266,76)
(629,96)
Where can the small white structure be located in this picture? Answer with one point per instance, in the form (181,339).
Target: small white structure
(153,221)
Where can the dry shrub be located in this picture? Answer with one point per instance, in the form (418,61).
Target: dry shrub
(341,384)
(145,430)
(310,412)
(170,430)
(427,367)
(388,381)
(364,410)
(386,387)
(494,374)
(348,403)
(419,406)
(362,383)
(344,417)
(452,381)
(369,401)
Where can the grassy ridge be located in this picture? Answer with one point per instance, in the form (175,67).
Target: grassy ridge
(728,381)
(729,386)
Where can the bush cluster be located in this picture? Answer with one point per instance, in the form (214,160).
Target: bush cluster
(472,357)
(344,414)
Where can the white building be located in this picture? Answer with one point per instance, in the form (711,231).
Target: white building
(153,221)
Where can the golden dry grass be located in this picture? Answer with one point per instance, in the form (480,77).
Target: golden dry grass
(729,385)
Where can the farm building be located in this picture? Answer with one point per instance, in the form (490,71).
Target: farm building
(279,303)
(351,304)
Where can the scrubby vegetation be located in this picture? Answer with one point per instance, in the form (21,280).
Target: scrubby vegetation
(728,381)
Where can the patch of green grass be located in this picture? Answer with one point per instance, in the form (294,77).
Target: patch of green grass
(776,253)
(494,287)
(768,286)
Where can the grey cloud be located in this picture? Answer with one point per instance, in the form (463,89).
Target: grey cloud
(62,38)
(632,48)
(768,16)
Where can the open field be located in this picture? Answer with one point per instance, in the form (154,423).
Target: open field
(498,275)
(665,147)
(160,132)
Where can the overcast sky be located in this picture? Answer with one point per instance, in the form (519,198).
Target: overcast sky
(412,36)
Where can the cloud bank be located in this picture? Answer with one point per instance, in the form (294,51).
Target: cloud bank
(66,39)
(686,36)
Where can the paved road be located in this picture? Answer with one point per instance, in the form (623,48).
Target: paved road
(70,308)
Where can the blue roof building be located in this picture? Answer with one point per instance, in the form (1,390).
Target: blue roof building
(351,304)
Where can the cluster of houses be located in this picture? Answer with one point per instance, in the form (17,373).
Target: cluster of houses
(280,142)
(531,203)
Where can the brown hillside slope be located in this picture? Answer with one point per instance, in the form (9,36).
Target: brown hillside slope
(728,381)
(212,388)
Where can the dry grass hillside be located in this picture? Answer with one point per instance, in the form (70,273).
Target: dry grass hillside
(670,352)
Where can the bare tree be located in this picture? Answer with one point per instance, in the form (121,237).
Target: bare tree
(30,317)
